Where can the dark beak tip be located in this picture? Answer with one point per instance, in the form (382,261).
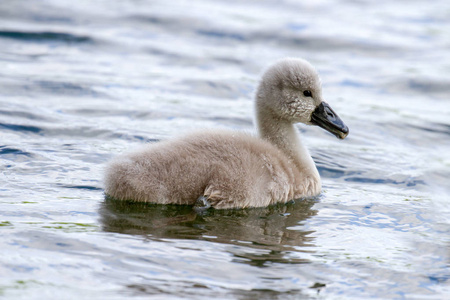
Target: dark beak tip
(343,134)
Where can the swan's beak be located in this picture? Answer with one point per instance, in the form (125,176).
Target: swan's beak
(326,118)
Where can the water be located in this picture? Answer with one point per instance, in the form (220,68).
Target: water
(81,82)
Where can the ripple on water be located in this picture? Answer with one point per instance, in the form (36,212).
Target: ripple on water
(24,115)
(67,89)
(45,36)
(21,128)
(80,187)
(5,150)
(408,182)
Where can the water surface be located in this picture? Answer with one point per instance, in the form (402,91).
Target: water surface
(81,82)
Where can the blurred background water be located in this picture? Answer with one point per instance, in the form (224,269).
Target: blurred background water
(82,81)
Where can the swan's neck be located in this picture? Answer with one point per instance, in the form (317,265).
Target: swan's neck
(284,136)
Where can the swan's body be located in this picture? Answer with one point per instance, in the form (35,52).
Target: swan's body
(230,169)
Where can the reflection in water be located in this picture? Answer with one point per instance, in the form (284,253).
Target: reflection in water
(263,229)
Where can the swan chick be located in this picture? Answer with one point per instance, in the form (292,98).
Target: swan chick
(227,169)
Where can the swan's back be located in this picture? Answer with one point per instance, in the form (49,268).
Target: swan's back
(231,169)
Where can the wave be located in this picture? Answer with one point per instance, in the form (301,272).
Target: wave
(45,36)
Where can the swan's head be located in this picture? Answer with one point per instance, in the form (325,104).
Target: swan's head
(291,91)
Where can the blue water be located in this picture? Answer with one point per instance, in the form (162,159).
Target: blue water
(83,81)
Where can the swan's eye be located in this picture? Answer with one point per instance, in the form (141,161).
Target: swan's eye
(307,93)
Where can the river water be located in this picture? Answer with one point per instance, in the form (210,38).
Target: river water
(82,81)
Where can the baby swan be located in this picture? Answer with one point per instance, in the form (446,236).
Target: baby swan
(226,169)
